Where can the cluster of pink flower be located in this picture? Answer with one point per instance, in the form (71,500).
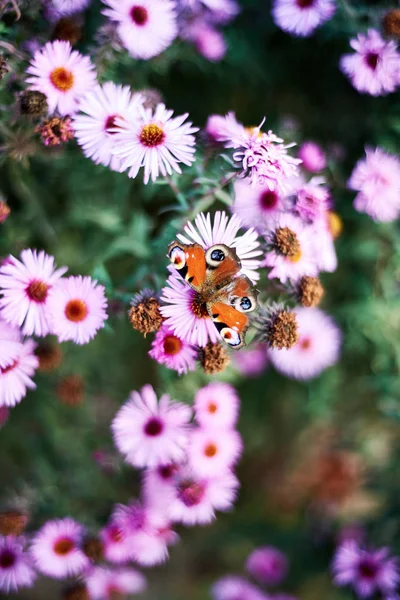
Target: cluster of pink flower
(268,567)
(37,300)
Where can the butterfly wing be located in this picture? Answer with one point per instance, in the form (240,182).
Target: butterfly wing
(190,262)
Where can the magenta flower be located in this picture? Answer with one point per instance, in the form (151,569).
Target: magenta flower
(62,74)
(25,285)
(155,141)
(95,124)
(56,549)
(216,406)
(104,583)
(376,178)
(374,67)
(146,27)
(77,309)
(233,587)
(290,249)
(170,350)
(151,432)
(317,349)
(267,565)
(312,156)
(209,42)
(115,543)
(15,378)
(214,451)
(302,17)
(256,205)
(16,569)
(10,343)
(368,571)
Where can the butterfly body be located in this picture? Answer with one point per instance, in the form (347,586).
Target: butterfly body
(222,293)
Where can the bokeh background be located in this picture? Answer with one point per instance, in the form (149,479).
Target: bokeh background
(319,456)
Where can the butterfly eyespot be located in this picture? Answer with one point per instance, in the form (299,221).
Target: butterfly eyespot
(215,255)
(178,257)
(244,303)
(231,337)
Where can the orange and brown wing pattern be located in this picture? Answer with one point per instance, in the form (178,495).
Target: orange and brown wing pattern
(222,264)
(190,262)
(231,323)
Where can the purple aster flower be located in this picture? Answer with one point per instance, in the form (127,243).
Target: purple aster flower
(301,17)
(168,349)
(312,156)
(233,587)
(16,569)
(374,67)
(376,178)
(368,571)
(312,200)
(267,565)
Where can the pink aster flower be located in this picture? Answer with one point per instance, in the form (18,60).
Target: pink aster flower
(301,17)
(212,451)
(154,141)
(62,74)
(25,285)
(312,156)
(233,587)
(170,350)
(104,583)
(16,570)
(209,42)
(10,343)
(216,406)
(324,247)
(220,128)
(95,124)
(374,67)
(263,157)
(151,432)
(376,178)
(68,7)
(268,565)
(251,361)
(256,205)
(77,309)
(368,571)
(313,200)
(158,485)
(56,549)
(194,499)
(291,248)
(317,349)
(115,543)
(15,378)
(146,27)
(224,230)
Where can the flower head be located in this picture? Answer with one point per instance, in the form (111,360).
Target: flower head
(256,205)
(25,285)
(312,156)
(151,432)
(233,587)
(77,308)
(216,405)
(155,141)
(116,543)
(290,251)
(267,565)
(55,131)
(104,583)
(170,350)
(16,569)
(376,178)
(302,17)
(212,451)
(69,7)
(56,549)
(96,122)
(312,200)
(146,27)
(144,314)
(318,346)
(368,571)
(374,66)
(15,378)
(62,74)
(10,343)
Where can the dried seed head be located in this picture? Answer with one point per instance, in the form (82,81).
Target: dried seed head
(94,549)
(71,390)
(49,355)
(13,522)
(56,131)
(3,67)
(76,592)
(33,103)
(391,22)
(214,358)
(4,211)
(277,326)
(67,30)
(286,242)
(310,291)
(144,314)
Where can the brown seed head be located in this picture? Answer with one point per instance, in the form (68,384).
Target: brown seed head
(56,131)
(391,22)
(94,549)
(286,242)
(71,390)
(310,291)
(77,592)
(67,30)
(50,357)
(284,330)
(214,358)
(13,522)
(3,67)
(33,103)
(145,316)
